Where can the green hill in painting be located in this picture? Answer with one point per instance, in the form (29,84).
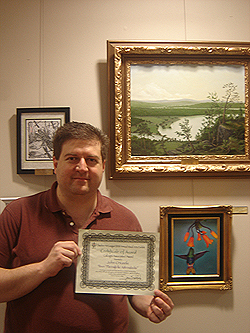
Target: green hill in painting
(175,108)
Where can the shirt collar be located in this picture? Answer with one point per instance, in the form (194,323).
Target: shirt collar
(52,204)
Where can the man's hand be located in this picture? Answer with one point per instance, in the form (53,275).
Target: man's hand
(156,308)
(61,255)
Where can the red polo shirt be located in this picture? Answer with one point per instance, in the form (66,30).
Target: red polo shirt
(29,227)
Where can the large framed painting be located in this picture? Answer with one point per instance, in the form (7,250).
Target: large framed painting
(195,249)
(35,130)
(178,109)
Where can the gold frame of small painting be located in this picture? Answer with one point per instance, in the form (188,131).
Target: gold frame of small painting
(195,247)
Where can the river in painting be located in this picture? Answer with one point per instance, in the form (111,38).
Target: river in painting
(195,122)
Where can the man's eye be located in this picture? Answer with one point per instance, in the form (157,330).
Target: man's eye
(91,161)
(72,158)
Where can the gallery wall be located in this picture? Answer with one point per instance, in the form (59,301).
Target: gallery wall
(53,53)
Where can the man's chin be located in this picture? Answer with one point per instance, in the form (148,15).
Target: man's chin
(81,191)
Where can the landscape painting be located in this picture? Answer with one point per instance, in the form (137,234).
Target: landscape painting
(187,109)
(178,109)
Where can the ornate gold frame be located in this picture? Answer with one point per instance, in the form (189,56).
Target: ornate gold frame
(173,221)
(120,57)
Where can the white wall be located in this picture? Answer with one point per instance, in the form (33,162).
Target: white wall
(53,53)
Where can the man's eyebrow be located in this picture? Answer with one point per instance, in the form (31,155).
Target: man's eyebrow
(70,154)
(94,156)
(87,156)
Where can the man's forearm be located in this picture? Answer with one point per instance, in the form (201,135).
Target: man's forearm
(156,308)
(17,282)
(140,303)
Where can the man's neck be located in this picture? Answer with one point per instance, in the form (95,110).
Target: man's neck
(79,207)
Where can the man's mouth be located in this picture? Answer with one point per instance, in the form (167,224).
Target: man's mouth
(81,178)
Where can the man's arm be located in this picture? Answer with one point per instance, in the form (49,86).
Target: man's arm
(17,282)
(156,308)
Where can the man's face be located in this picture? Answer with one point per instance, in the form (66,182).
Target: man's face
(80,167)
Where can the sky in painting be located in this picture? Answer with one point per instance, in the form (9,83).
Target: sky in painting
(173,82)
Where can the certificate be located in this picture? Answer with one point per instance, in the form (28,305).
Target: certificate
(117,262)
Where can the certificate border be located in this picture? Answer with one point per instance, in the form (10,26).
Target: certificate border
(117,237)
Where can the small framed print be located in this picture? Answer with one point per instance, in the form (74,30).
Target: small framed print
(35,130)
(195,248)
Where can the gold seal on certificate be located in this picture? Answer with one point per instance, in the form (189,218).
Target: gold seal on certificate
(117,262)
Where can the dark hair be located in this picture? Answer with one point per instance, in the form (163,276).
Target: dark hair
(79,131)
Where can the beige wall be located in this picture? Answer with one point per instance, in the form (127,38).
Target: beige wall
(53,53)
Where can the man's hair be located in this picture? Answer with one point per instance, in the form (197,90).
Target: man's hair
(79,131)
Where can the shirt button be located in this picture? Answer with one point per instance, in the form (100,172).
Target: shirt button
(71,223)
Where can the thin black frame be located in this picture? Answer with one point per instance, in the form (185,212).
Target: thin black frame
(61,115)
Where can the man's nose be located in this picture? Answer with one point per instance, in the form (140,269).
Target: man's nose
(82,165)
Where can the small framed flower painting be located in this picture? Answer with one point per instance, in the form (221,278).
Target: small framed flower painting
(195,247)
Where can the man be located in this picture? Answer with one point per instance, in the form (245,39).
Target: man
(38,246)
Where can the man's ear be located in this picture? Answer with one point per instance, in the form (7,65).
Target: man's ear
(103,165)
(55,162)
